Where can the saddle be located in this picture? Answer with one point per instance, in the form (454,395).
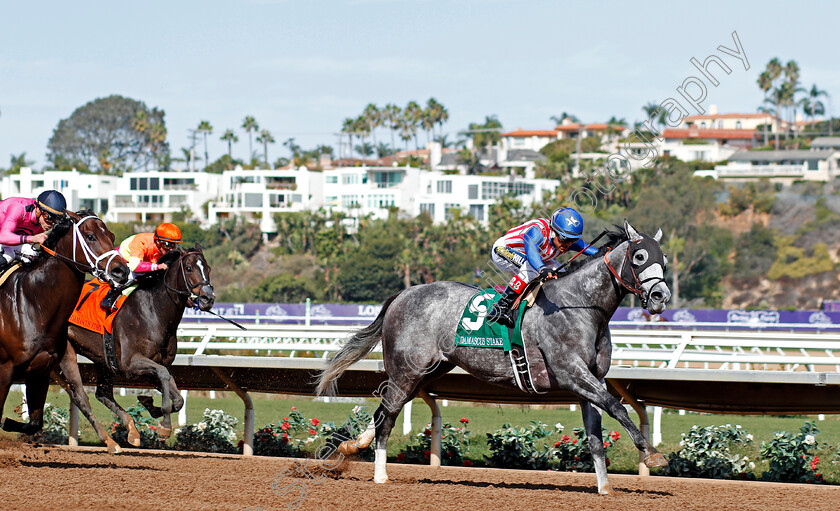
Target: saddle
(90,316)
(527,362)
(7,270)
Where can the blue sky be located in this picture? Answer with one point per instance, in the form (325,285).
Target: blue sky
(301,67)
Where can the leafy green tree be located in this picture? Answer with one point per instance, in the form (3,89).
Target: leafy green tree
(368,273)
(225,162)
(755,252)
(109,135)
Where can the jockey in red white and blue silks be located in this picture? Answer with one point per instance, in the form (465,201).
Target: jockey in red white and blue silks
(529,250)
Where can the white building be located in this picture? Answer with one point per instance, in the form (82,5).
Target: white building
(361,191)
(781,166)
(441,194)
(82,191)
(260,194)
(154,196)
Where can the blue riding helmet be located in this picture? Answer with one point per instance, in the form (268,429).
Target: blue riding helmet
(52,202)
(567,223)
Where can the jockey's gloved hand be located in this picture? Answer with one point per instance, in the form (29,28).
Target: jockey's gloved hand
(546,273)
(27,253)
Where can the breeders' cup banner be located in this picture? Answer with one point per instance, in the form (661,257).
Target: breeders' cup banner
(327,313)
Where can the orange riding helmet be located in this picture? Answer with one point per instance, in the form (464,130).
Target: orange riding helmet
(168,232)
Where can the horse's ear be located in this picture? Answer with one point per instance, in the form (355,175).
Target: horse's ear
(198,246)
(658,236)
(73,216)
(632,233)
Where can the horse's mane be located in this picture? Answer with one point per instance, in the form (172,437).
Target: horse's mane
(59,230)
(150,279)
(613,239)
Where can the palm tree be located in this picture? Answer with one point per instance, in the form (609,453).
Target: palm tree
(653,111)
(439,113)
(265,138)
(427,122)
(392,115)
(231,138)
(766,82)
(382,150)
(361,127)
(770,111)
(365,149)
(348,127)
(816,106)
(444,141)
(205,129)
(249,124)
(411,120)
(18,162)
(558,119)
(373,118)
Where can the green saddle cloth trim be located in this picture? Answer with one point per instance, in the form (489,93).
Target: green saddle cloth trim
(475,331)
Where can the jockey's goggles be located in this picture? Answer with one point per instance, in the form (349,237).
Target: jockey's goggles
(167,243)
(51,218)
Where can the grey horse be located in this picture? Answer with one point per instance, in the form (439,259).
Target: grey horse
(569,322)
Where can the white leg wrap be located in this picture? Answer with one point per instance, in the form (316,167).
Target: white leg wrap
(379,474)
(603,481)
(367,436)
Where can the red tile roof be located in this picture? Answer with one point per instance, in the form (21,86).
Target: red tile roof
(569,127)
(708,134)
(531,133)
(725,116)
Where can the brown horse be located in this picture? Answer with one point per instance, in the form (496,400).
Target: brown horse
(146,342)
(37,300)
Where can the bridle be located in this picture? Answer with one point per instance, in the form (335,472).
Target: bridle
(189,293)
(637,286)
(92,265)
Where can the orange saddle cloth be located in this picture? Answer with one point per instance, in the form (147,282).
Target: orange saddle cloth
(88,314)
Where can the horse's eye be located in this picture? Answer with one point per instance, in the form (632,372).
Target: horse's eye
(90,237)
(188,268)
(640,257)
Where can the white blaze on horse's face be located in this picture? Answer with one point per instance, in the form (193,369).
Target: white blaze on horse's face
(201,268)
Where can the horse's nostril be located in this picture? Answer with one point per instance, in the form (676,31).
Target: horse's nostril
(656,296)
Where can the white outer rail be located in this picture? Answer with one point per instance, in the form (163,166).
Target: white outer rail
(705,349)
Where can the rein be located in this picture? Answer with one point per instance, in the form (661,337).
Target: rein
(189,293)
(638,290)
(92,259)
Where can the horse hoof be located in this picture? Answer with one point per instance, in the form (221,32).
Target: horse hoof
(607,490)
(656,460)
(349,448)
(164,432)
(381,480)
(113,447)
(133,435)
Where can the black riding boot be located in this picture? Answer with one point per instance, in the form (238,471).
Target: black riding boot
(108,303)
(502,312)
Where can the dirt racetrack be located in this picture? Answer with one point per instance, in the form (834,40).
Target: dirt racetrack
(60,479)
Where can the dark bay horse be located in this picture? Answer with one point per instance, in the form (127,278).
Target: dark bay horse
(569,322)
(146,343)
(37,300)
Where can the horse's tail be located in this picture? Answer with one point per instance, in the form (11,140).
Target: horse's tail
(353,350)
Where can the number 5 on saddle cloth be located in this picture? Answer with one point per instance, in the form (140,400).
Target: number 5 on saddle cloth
(475,332)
